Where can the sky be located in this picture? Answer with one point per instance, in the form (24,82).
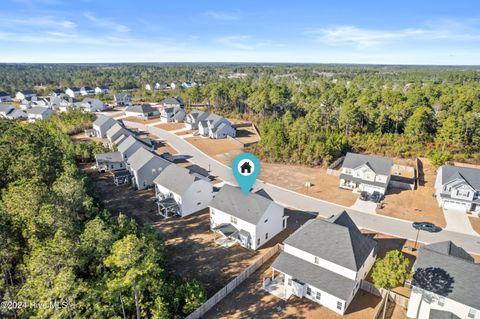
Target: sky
(373,32)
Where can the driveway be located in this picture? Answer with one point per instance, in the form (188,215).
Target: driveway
(379,223)
(458,221)
(365,206)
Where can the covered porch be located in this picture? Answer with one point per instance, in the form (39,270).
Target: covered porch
(122,177)
(167,207)
(230,235)
(275,285)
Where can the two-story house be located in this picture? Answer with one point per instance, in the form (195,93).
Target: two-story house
(72,92)
(39,113)
(173,102)
(90,105)
(87,90)
(181,192)
(216,126)
(130,145)
(117,131)
(194,118)
(144,166)
(366,173)
(458,188)
(143,111)
(445,284)
(112,161)
(122,99)
(324,261)
(102,89)
(250,220)
(172,114)
(25,95)
(102,124)
(5,97)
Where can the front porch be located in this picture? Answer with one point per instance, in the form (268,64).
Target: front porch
(275,285)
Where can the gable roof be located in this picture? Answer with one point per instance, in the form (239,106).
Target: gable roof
(141,157)
(176,179)
(4,108)
(121,96)
(447,270)
(16,114)
(233,201)
(470,175)
(380,165)
(37,110)
(143,108)
(27,92)
(3,93)
(337,240)
(74,89)
(87,88)
(195,114)
(129,142)
(172,100)
(104,120)
(115,128)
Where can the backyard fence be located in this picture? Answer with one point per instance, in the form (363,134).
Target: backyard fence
(235,141)
(222,293)
(332,168)
(400,300)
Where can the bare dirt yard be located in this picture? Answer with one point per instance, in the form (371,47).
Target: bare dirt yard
(170,126)
(415,205)
(249,301)
(82,137)
(153,119)
(222,150)
(324,186)
(475,221)
(186,132)
(246,135)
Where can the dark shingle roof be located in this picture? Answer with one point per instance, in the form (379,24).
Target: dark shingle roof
(470,175)
(379,165)
(2,93)
(176,179)
(337,240)
(143,108)
(172,100)
(447,270)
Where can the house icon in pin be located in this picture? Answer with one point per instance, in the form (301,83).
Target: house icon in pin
(246,168)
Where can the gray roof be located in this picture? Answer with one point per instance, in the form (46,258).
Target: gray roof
(87,88)
(143,108)
(16,114)
(142,156)
(3,93)
(121,96)
(104,120)
(109,157)
(380,165)
(115,128)
(4,108)
(470,175)
(439,314)
(38,110)
(337,240)
(127,143)
(74,88)
(175,178)
(195,114)
(27,92)
(321,278)
(172,100)
(447,270)
(233,201)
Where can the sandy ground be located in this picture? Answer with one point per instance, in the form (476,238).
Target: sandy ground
(81,137)
(246,135)
(152,119)
(415,205)
(475,221)
(222,150)
(164,147)
(170,126)
(184,132)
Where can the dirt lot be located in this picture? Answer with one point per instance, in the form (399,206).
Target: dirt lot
(415,205)
(475,221)
(152,119)
(164,147)
(81,137)
(184,132)
(170,126)
(246,135)
(222,150)
(323,186)
(250,301)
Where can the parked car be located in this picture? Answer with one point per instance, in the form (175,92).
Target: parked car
(375,197)
(364,196)
(426,226)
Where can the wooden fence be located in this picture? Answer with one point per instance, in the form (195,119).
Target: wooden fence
(400,300)
(222,293)
(331,170)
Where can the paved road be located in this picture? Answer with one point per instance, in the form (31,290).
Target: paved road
(379,223)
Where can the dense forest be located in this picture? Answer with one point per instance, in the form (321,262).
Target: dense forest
(307,114)
(62,255)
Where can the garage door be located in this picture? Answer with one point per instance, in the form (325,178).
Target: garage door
(370,189)
(455,205)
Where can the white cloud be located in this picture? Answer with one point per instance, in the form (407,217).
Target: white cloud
(38,22)
(106,23)
(236,42)
(224,15)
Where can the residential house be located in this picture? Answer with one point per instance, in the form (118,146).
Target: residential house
(216,126)
(72,92)
(5,109)
(130,145)
(122,99)
(366,173)
(91,105)
(458,188)
(25,95)
(39,113)
(251,220)
(161,86)
(102,124)
(173,102)
(173,85)
(144,167)
(180,191)
(143,111)
(445,283)
(189,84)
(16,114)
(56,92)
(148,87)
(5,97)
(112,161)
(87,90)
(194,118)
(102,89)
(324,261)
(116,131)
(172,114)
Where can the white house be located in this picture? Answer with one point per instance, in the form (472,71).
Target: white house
(130,145)
(91,105)
(458,188)
(161,86)
(173,85)
(144,167)
(11,113)
(445,283)
(194,118)
(143,111)
(102,124)
(102,89)
(38,113)
(116,131)
(216,126)
(180,191)
(72,92)
(56,92)
(87,90)
(172,114)
(112,161)
(189,84)
(5,97)
(251,220)
(324,261)
(122,99)
(173,102)
(148,87)
(25,95)
(5,109)
(366,173)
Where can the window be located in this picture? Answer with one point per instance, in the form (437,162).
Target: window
(471,313)
(441,301)
(318,295)
(266,220)
(309,291)
(199,203)
(266,236)
(258,242)
(233,220)
(289,281)
(339,305)
(317,260)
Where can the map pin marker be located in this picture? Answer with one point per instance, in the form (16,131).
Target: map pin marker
(246,168)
